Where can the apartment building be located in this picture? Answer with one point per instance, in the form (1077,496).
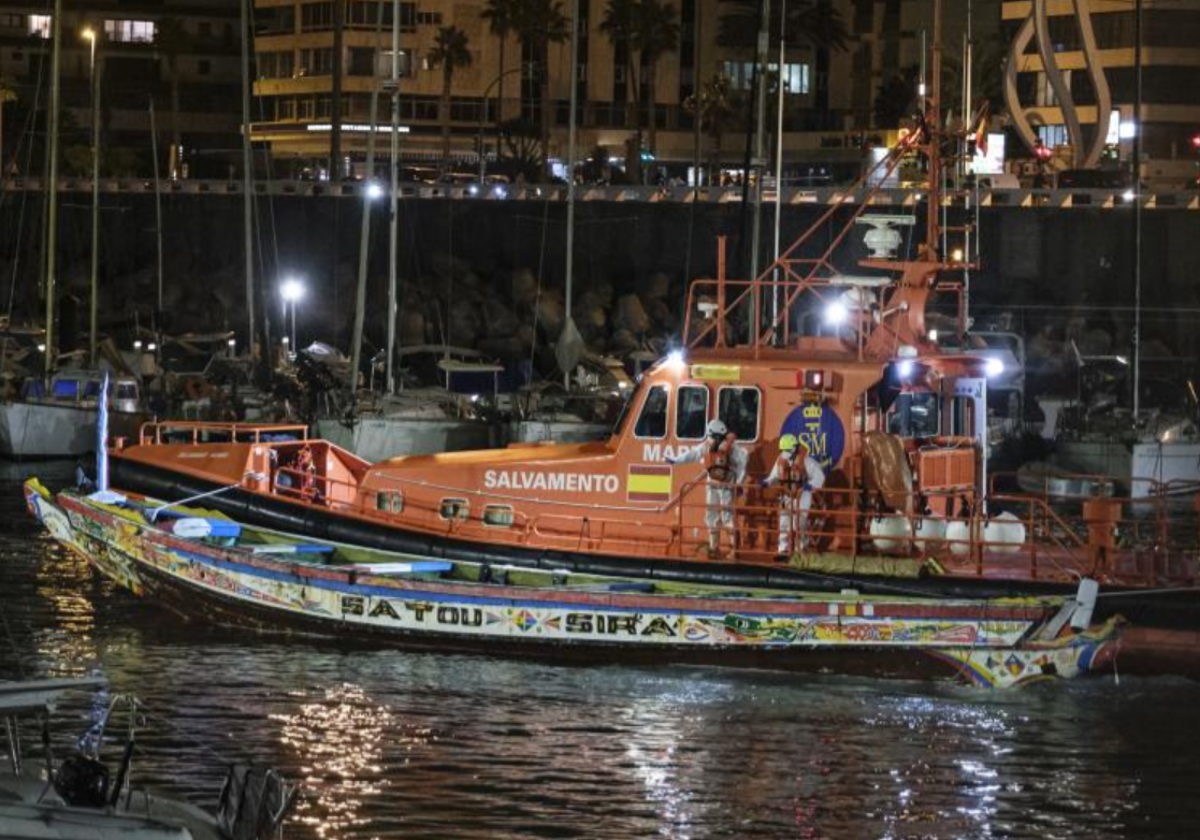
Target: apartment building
(318,60)
(181,53)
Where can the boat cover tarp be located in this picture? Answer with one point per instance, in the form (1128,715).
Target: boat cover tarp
(886,469)
(835,564)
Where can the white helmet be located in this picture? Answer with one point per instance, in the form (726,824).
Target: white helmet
(717,429)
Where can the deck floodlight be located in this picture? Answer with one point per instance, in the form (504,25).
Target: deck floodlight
(904,368)
(835,313)
(993,367)
(675,359)
(374,190)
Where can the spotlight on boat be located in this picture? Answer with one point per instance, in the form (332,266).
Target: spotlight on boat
(993,367)
(904,368)
(675,359)
(137,345)
(374,191)
(957,255)
(836,313)
(232,343)
(41,348)
(151,346)
(1121,360)
(933,336)
(1127,195)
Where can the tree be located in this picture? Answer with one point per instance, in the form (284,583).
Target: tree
(657,34)
(540,23)
(172,40)
(449,52)
(499,15)
(896,98)
(8,94)
(619,25)
(714,105)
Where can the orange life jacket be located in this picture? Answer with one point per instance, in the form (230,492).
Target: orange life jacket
(792,472)
(718,460)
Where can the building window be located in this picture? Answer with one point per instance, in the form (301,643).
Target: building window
(362,61)
(273,21)
(429,18)
(204,28)
(39,26)
(12,21)
(276,65)
(204,67)
(130,31)
(315,16)
(316,62)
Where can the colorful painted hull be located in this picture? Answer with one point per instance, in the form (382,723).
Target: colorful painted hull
(992,643)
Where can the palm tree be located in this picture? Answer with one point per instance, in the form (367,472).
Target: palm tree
(450,52)
(619,24)
(499,15)
(8,93)
(172,40)
(540,23)
(713,104)
(657,34)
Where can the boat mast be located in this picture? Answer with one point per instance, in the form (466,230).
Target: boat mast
(779,155)
(574,100)
(758,164)
(393,207)
(52,185)
(157,215)
(364,241)
(94,296)
(932,117)
(247,181)
(1136,170)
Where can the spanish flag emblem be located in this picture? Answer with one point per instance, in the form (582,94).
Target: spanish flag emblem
(649,483)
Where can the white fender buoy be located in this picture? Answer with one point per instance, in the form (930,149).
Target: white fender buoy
(958,535)
(928,532)
(1004,534)
(890,533)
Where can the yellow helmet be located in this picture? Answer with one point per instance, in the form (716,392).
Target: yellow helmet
(787,443)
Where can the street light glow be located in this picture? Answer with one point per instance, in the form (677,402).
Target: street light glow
(88,34)
(291,290)
(993,367)
(374,191)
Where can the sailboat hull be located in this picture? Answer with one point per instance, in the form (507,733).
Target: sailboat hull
(377,439)
(38,430)
(1139,467)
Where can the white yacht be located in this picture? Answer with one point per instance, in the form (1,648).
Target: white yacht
(58,419)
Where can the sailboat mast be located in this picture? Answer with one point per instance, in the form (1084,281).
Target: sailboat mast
(247,180)
(52,185)
(157,213)
(757,164)
(364,242)
(574,100)
(394,206)
(1137,209)
(779,155)
(933,136)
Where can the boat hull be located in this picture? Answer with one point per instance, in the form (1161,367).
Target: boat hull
(377,439)
(981,642)
(1164,463)
(35,431)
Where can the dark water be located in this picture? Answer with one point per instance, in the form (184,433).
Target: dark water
(390,744)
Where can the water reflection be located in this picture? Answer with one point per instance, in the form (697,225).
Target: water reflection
(390,744)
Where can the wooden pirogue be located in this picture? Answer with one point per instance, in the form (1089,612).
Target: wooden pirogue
(212,568)
(845,362)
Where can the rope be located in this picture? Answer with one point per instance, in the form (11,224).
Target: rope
(1140,592)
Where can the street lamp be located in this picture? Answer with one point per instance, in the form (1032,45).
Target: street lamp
(92,37)
(292,291)
(499,114)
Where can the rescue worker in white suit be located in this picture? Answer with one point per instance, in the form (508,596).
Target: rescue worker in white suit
(725,463)
(797,475)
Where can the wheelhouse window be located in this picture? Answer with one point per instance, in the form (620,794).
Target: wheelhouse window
(691,412)
(914,414)
(652,422)
(65,389)
(738,410)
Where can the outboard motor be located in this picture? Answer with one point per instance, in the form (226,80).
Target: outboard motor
(254,801)
(82,782)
